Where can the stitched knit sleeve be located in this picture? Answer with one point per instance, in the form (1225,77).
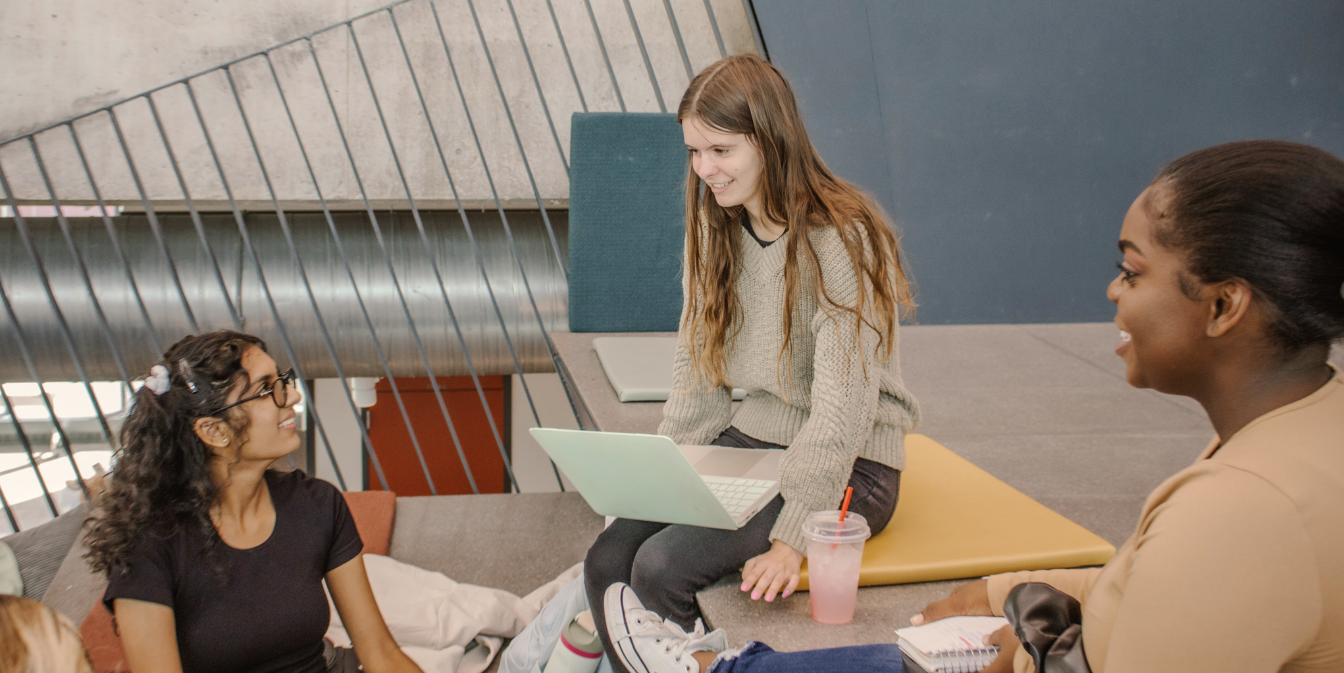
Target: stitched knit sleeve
(845,392)
(695,412)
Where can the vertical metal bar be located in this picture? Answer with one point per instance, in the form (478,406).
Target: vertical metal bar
(79,263)
(681,45)
(576,403)
(527,166)
(153,222)
(476,249)
(309,443)
(536,82)
(9,513)
(303,276)
(568,60)
(401,295)
(116,243)
(714,23)
(415,212)
(755,28)
(643,51)
(23,436)
(359,298)
(266,288)
(22,226)
(602,45)
(195,216)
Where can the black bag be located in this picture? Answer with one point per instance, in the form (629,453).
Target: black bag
(1049,623)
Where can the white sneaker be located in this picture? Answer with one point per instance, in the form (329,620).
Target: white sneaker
(647,644)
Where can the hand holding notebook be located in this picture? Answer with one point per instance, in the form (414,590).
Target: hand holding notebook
(951,645)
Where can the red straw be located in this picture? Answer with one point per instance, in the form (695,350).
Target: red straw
(844,509)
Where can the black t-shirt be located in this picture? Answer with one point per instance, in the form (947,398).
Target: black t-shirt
(764,244)
(259,609)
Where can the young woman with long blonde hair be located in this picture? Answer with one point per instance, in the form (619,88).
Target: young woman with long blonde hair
(794,288)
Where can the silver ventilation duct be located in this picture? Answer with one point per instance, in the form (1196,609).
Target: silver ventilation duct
(481,323)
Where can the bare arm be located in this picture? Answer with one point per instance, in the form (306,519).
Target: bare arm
(378,651)
(148,635)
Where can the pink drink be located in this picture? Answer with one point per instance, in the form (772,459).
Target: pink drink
(834,556)
(833,577)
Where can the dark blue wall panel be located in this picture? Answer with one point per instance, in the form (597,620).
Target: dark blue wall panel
(1007,139)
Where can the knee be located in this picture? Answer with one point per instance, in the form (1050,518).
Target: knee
(878,505)
(602,566)
(655,571)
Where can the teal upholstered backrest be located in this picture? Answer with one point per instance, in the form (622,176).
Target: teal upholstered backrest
(627,226)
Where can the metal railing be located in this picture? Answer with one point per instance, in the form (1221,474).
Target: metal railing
(368,223)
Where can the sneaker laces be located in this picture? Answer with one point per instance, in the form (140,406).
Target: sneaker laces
(670,635)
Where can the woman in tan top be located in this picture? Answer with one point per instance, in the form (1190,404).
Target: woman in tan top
(1231,291)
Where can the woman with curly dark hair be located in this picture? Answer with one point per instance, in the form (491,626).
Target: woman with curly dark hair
(215,562)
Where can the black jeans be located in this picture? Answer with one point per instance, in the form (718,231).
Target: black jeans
(666,564)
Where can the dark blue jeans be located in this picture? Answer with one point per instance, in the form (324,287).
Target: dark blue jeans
(759,657)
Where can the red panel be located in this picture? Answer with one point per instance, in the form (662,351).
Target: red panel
(396,453)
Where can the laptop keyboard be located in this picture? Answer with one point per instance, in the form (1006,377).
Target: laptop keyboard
(737,495)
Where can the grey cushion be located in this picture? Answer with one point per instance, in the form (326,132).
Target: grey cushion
(10,581)
(626,222)
(40,551)
(75,588)
(515,542)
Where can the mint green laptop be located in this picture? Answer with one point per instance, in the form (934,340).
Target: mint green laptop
(651,478)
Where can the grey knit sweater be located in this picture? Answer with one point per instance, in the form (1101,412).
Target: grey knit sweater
(818,401)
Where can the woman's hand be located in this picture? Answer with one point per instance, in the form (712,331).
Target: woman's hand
(971,598)
(1008,645)
(772,571)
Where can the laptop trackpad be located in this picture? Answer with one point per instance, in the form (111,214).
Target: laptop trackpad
(724,462)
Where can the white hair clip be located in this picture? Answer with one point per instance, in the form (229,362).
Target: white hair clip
(184,371)
(157,381)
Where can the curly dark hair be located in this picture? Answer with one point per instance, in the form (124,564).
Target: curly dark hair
(161,480)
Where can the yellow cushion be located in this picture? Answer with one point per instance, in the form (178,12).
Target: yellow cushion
(955,520)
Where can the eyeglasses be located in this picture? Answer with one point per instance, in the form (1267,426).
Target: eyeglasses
(278,390)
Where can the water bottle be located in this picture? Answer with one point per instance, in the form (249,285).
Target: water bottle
(579,649)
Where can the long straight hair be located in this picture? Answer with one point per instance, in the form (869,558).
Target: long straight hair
(747,95)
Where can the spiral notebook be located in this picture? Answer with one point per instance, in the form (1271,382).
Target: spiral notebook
(952,645)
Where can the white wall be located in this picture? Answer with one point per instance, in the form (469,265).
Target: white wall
(66,57)
(342,429)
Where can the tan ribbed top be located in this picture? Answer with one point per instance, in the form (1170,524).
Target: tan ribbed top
(827,402)
(1237,563)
